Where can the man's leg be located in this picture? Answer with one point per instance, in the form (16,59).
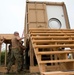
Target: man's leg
(10,63)
(18,59)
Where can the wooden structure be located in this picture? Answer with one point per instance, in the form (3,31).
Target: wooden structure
(52,48)
(51,39)
(38,15)
(7,40)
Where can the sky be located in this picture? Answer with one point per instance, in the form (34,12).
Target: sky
(12,14)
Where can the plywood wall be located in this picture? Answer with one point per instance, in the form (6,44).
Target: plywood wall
(37,17)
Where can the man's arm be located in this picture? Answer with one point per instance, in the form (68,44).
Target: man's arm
(18,38)
(1,40)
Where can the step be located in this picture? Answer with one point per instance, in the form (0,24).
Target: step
(47,29)
(58,34)
(52,31)
(58,73)
(52,41)
(54,46)
(56,61)
(54,52)
(51,37)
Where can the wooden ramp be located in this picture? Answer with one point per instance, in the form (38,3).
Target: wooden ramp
(53,48)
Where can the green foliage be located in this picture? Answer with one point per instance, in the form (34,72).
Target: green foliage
(2,57)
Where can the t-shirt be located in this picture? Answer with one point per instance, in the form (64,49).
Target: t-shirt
(15,42)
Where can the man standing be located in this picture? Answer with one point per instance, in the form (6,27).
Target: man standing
(15,52)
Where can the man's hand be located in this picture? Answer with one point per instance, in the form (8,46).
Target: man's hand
(26,35)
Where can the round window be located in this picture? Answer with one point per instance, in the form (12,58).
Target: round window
(54,23)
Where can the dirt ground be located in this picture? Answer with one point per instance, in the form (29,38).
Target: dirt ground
(21,73)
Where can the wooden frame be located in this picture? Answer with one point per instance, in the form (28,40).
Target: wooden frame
(7,41)
(44,38)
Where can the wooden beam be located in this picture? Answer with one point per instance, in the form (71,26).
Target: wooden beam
(52,41)
(46,29)
(56,61)
(3,70)
(55,52)
(58,34)
(58,73)
(51,37)
(31,55)
(52,31)
(54,46)
(6,36)
(0,54)
(6,55)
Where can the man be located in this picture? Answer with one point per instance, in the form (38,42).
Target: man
(15,52)
(9,54)
(22,52)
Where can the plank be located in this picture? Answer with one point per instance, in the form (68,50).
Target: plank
(52,41)
(51,37)
(54,31)
(6,36)
(53,46)
(3,69)
(37,29)
(58,34)
(54,52)
(58,73)
(56,61)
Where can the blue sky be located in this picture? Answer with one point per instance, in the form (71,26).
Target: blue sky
(12,14)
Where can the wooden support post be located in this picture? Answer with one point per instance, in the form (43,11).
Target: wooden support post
(31,55)
(0,54)
(6,55)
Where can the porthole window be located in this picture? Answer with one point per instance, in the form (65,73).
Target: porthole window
(54,23)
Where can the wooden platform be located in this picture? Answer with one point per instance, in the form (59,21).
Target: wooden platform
(4,69)
(58,73)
